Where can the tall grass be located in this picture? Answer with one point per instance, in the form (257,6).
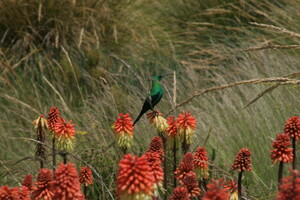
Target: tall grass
(203,42)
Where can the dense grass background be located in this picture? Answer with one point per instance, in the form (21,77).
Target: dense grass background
(71,54)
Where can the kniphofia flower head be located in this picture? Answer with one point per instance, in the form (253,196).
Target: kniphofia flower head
(232,188)
(156,145)
(135,178)
(15,193)
(53,117)
(65,134)
(191,183)
(180,193)
(184,167)
(290,187)
(186,125)
(242,161)
(41,122)
(281,152)
(27,182)
(216,190)
(123,128)
(292,127)
(66,182)
(86,176)
(200,163)
(43,187)
(158,121)
(155,163)
(171,135)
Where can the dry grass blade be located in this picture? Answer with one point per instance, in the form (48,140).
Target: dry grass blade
(296,46)
(269,89)
(277,29)
(20,102)
(279,80)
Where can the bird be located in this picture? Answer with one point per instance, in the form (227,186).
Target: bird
(153,97)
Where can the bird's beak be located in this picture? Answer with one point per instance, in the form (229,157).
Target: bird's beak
(167,74)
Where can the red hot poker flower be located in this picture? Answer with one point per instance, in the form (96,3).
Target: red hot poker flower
(43,189)
(53,117)
(156,145)
(186,125)
(66,182)
(281,153)
(155,164)
(191,183)
(242,161)
(184,167)
(27,182)
(180,193)
(86,176)
(123,128)
(216,190)
(15,193)
(200,163)
(135,178)
(65,134)
(232,188)
(158,121)
(172,129)
(290,187)
(292,127)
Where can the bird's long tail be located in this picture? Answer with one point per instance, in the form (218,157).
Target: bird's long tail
(139,117)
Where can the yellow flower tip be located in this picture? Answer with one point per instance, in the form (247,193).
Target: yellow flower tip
(66,144)
(124,140)
(41,121)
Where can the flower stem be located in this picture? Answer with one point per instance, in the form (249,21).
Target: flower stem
(53,154)
(240,185)
(165,168)
(174,162)
(85,190)
(294,153)
(64,155)
(185,146)
(280,170)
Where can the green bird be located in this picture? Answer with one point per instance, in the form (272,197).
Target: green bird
(153,97)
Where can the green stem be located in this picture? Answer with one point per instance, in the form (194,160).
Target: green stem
(165,167)
(240,185)
(280,170)
(53,154)
(294,153)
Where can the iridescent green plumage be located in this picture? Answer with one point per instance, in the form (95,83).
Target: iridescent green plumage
(153,97)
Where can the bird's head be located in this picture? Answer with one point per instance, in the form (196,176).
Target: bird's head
(159,77)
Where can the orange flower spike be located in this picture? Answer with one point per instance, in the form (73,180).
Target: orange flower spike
(281,153)
(24,193)
(242,161)
(123,128)
(65,134)
(216,190)
(66,182)
(158,121)
(184,167)
(290,187)
(86,176)
(27,182)
(186,125)
(200,163)
(180,193)
(53,117)
(191,183)
(292,127)
(43,189)
(232,188)
(135,178)
(9,193)
(156,145)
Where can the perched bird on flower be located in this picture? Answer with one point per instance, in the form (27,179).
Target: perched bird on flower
(153,97)
(135,179)
(86,176)
(200,163)
(184,167)
(216,190)
(180,193)
(158,121)
(281,152)
(65,134)
(123,128)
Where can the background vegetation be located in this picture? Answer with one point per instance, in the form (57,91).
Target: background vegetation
(95,58)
